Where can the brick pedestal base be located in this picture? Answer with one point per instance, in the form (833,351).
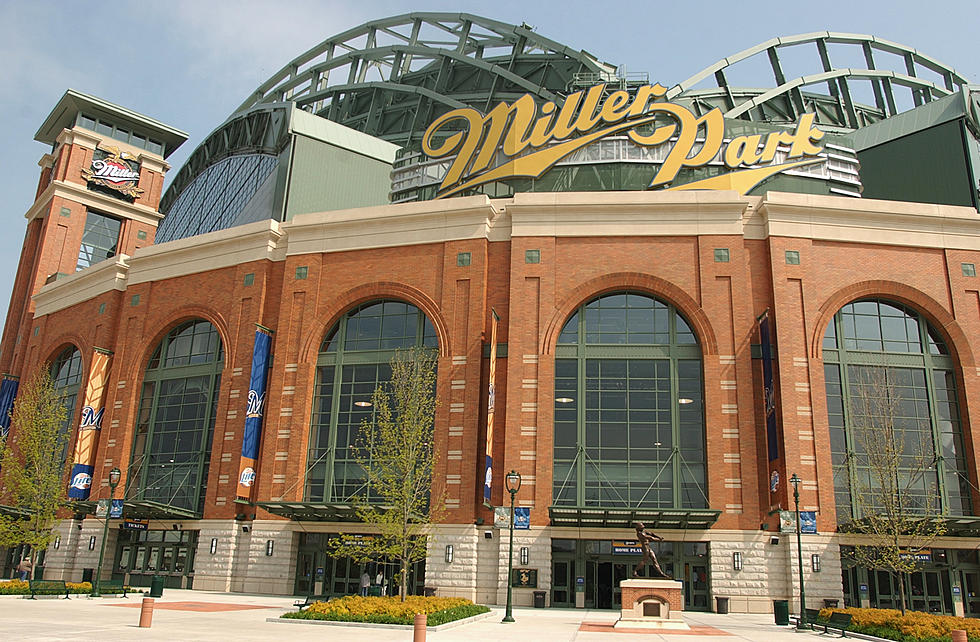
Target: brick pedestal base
(654,604)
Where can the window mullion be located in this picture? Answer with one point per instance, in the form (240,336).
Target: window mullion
(338,375)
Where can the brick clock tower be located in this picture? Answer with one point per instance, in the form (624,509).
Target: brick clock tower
(97,197)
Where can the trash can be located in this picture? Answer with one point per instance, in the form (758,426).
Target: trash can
(539,599)
(830,604)
(780,609)
(88,574)
(721,604)
(156,586)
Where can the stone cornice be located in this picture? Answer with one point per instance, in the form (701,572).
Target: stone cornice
(72,289)
(96,200)
(392,225)
(852,220)
(627,213)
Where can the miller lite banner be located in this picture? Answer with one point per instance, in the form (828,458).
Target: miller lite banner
(114,170)
(768,386)
(253,414)
(90,426)
(491,399)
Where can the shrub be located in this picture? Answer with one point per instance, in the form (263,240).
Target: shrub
(914,626)
(21,587)
(390,610)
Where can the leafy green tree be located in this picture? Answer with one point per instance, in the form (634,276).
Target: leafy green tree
(895,487)
(32,465)
(396,449)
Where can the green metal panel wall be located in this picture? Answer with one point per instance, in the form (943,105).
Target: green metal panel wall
(325,177)
(929,166)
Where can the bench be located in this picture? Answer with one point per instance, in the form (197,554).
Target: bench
(812,615)
(113,588)
(302,605)
(48,587)
(838,622)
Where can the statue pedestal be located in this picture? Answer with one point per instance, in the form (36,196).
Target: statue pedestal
(652,604)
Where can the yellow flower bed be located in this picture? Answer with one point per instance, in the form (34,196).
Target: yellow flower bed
(21,587)
(919,625)
(365,606)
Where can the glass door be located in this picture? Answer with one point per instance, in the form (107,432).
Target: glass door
(563,583)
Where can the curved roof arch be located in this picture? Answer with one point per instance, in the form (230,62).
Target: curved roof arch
(786,100)
(388,77)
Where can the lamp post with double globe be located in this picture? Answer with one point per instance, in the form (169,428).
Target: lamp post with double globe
(513,481)
(114,476)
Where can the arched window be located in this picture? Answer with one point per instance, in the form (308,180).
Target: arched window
(629,418)
(882,359)
(172,445)
(354,357)
(66,374)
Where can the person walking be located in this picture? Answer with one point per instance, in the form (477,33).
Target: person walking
(24,568)
(365,583)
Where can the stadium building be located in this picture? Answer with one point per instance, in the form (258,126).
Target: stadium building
(666,300)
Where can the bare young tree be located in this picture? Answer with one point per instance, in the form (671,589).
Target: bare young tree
(396,449)
(894,487)
(32,465)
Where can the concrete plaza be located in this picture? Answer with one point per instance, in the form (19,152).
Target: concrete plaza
(200,615)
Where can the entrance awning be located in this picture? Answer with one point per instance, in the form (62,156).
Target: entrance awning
(14,511)
(963,525)
(140,509)
(585,517)
(311,512)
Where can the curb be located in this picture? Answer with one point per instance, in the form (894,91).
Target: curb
(371,625)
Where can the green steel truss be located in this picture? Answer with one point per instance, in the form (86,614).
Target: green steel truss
(925,78)
(390,78)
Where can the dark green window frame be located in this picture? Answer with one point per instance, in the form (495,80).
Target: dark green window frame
(663,364)
(66,376)
(359,348)
(877,334)
(176,416)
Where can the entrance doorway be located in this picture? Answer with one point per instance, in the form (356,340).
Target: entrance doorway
(319,574)
(601,571)
(142,554)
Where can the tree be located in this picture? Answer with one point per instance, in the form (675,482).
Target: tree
(895,484)
(32,465)
(396,449)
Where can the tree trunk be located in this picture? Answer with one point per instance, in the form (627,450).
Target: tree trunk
(403,585)
(901,591)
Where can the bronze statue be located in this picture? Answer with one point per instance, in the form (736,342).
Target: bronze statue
(645,537)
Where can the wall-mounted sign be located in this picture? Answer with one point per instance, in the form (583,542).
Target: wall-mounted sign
(626,547)
(115,170)
(921,555)
(525,141)
(137,524)
(524,578)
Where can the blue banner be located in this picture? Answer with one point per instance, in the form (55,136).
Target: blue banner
(8,392)
(116,509)
(253,415)
(81,481)
(772,439)
(522,518)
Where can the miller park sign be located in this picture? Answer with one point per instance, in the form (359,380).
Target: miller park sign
(532,140)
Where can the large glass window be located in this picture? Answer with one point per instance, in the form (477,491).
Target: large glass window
(354,358)
(629,418)
(66,375)
(887,369)
(99,240)
(172,445)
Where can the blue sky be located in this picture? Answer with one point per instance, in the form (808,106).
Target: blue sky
(191,63)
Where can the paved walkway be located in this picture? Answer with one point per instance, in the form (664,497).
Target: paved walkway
(200,615)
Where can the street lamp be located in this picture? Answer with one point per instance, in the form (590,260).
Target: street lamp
(513,480)
(114,476)
(795,480)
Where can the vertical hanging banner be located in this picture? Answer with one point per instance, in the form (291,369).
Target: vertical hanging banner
(8,392)
(90,425)
(768,386)
(253,413)
(491,400)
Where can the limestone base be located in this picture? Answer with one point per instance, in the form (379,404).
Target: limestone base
(651,604)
